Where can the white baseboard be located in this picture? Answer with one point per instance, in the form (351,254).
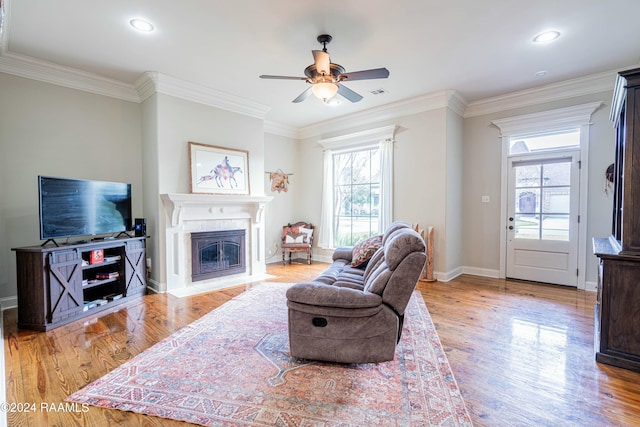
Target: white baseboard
(484,272)
(591,286)
(447,276)
(8,302)
(156,287)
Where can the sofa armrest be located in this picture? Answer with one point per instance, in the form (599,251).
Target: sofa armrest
(319,294)
(343,252)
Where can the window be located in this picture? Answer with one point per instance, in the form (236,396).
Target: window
(543,186)
(357,192)
(539,143)
(542,207)
(356,195)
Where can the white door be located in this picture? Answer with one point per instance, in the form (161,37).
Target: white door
(542,218)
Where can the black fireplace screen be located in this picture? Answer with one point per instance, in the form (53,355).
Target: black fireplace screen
(217,254)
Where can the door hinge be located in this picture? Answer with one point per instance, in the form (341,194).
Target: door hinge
(577,271)
(579,164)
(578,219)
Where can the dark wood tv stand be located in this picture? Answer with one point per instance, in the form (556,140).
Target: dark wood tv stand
(59,284)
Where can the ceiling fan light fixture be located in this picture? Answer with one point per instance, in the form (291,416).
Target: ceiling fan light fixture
(324,90)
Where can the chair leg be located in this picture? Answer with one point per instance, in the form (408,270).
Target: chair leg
(283,253)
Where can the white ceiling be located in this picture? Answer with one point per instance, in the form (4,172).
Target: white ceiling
(480,49)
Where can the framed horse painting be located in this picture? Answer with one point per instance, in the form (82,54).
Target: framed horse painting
(218,170)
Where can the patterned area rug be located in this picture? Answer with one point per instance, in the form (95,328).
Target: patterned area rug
(231,368)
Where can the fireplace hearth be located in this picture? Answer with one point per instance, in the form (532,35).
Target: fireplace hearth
(217,254)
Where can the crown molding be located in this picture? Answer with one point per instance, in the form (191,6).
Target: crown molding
(595,83)
(151,81)
(456,102)
(48,72)
(145,86)
(394,110)
(561,118)
(281,129)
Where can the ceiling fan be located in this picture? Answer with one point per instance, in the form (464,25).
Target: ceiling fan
(326,78)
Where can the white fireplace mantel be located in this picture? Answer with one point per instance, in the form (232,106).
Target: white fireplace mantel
(192,213)
(178,204)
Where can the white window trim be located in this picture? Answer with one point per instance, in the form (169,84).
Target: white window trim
(362,139)
(349,142)
(575,117)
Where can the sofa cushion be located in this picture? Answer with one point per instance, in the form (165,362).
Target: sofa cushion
(395,226)
(316,294)
(364,250)
(343,252)
(400,245)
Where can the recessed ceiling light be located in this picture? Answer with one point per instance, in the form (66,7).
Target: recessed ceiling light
(541,73)
(142,25)
(546,37)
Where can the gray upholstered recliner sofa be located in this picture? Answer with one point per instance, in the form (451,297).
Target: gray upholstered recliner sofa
(355,315)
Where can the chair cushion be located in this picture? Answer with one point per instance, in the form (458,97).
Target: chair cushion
(364,250)
(295,238)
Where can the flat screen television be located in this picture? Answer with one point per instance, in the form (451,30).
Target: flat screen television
(75,207)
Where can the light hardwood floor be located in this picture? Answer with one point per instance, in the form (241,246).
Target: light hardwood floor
(522,354)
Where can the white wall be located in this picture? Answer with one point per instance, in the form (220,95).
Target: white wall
(453,199)
(282,153)
(420,175)
(151,178)
(481,163)
(51,130)
(177,122)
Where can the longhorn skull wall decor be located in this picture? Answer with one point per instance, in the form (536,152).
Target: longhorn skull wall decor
(279,180)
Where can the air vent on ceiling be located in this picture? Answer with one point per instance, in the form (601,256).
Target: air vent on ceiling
(380,91)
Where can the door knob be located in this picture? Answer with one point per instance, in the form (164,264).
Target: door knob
(511,227)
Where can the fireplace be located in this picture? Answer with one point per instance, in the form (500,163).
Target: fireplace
(189,215)
(217,254)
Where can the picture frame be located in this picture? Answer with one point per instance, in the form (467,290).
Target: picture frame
(218,170)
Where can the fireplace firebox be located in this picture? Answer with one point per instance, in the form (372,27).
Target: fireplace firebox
(217,254)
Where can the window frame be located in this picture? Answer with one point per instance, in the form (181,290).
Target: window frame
(348,142)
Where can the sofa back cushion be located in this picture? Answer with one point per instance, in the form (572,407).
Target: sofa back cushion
(393,227)
(401,244)
(395,269)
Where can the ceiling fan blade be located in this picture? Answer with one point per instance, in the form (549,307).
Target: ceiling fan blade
(304,95)
(322,61)
(377,73)
(264,76)
(348,93)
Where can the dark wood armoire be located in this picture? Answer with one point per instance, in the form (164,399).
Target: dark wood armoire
(617,311)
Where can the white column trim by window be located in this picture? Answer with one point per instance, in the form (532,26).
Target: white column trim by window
(575,117)
(325,235)
(386,184)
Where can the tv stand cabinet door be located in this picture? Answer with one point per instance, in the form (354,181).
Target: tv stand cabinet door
(135,267)
(64,285)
